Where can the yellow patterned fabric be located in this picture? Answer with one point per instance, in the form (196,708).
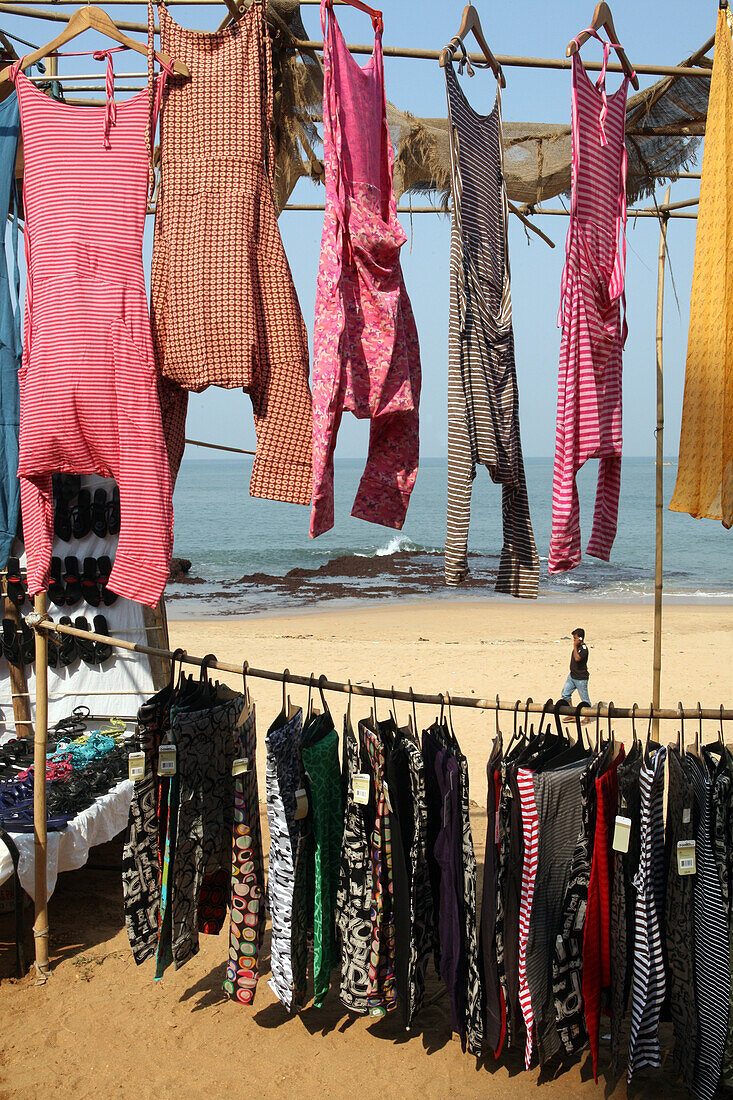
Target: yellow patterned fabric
(705,475)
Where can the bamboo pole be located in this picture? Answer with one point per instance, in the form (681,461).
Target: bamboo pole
(506,61)
(40,925)
(18,682)
(659,549)
(600,709)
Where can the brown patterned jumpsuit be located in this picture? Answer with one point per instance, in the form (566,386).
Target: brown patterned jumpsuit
(224,307)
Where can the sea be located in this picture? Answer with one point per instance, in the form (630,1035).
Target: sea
(254,557)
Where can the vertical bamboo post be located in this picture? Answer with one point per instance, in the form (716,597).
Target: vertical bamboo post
(40,925)
(658,556)
(18,681)
(40,746)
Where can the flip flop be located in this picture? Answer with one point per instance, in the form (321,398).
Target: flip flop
(86,648)
(104,566)
(103,650)
(53,650)
(72,581)
(15,586)
(99,513)
(81,517)
(11,644)
(113,513)
(68,652)
(27,643)
(89,585)
(56,590)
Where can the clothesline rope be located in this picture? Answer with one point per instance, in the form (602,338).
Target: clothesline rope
(600,710)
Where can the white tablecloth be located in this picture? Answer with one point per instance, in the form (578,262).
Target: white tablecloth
(68,850)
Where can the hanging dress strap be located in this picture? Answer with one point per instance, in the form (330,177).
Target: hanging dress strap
(267,98)
(155,97)
(17,200)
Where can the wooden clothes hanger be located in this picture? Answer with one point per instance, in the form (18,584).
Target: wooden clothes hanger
(602,18)
(472,23)
(92,18)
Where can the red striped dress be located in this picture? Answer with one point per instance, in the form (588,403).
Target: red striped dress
(88,386)
(593,330)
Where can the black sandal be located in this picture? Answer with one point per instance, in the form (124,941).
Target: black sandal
(72,581)
(68,652)
(27,643)
(15,586)
(104,566)
(99,514)
(56,590)
(86,648)
(113,513)
(11,644)
(81,517)
(103,650)
(53,649)
(89,585)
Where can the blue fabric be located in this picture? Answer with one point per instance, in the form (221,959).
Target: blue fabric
(10,337)
(581,686)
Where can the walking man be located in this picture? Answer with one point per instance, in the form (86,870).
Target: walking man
(578,678)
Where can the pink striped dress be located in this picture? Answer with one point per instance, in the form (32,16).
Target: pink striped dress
(88,385)
(592,317)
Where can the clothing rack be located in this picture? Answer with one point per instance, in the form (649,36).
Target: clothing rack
(506,61)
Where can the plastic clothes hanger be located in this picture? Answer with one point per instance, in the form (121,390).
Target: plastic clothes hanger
(90,17)
(412,718)
(471,23)
(602,18)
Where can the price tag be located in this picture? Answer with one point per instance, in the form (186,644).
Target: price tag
(686,815)
(686,864)
(136,765)
(240,765)
(167,760)
(622,834)
(360,789)
(301,804)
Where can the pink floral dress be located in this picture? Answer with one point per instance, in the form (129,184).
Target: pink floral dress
(366,356)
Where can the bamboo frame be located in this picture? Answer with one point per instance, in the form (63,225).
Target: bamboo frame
(506,61)
(602,711)
(40,744)
(659,489)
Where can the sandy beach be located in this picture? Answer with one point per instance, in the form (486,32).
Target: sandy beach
(482,648)
(102,1027)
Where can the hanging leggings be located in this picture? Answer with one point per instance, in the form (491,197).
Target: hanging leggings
(530,822)
(206,744)
(282,778)
(321,762)
(474,1009)
(648,982)
(247,916)
(593,332)
(382,985)
(712,959)
(567,959)
(354,894)
(597,934)
(140,855)
(679,921)
(421,899)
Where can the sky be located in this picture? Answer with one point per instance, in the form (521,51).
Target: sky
(651,35)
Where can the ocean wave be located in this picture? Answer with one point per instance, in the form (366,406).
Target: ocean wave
(398,544)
